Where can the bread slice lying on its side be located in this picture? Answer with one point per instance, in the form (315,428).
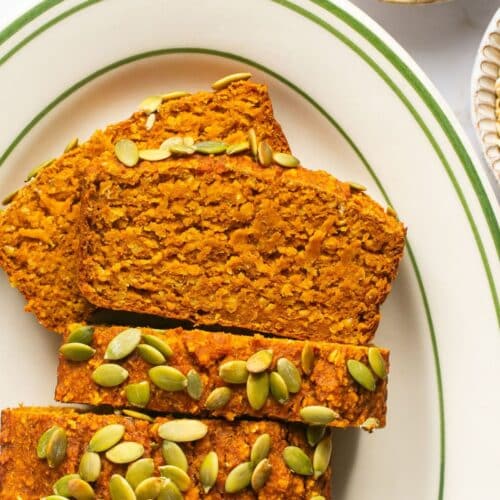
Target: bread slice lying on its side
(221,240)
(38,231)
(24,475)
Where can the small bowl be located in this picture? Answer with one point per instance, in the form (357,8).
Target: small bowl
(485,77)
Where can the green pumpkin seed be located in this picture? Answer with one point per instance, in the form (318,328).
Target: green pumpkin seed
(297,461)
(169,491)
(106,437)
(10,197)
(119,488)
(171,141)
(210,147)
(82,334)
(239,478)
(257,389)
(239,147)
(183,430)
(139,471)
(278,387)
(252,141)
(71,145)
(315,433)
(125,452)
(158,344)
(286,160)
(261,474)
(90,466)
(264,153)
(57,445)
(218,398)
(126,151)
(173,455)
(188,141)
(168,378)
(80,489)
(318,415)
(356,187)
(154,154)
(194,385)
(370,424)
(150,104)
(227,80)
(74,351)
(150,121)
(209,470)
(138,394)
(41,449)
(109,375)
(361,374)
(260,361)
(177,475)
(150,354)
(138,415)
(123,344)
(322,456)
(181,150)
(36,170)
(176,94)
(234,372)
(149,488)
(290,375)
(260,448)
(377,362)
(61,485)
(307,358)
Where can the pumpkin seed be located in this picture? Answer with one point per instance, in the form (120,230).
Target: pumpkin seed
(356,187)
(41,448)
(361,374)
(80,489)
(318,415)
(109,375)
(218,398)
(297,461)
(75,351)
(90,466)
(278,387)
(171,141)
(209,470)
(261,474)
(260,361)
(168,378)
(71,145)
(149,488)
(194,385)
(57,445)
(158,344)
(252,141)
(82,334)
(36,170)
(181,150)
(169,491)
(290,375)
(119,488)
(139,471)
(10,197)
(183,430)
(150,121)
(286,160)
(138,415)
(126,151)
(123,344)
(227,80)
(106,437)
(176,94)
(210,147)
(239,147)
(260,448)
(177,475)
(377,362)
(239,478)
(370,424)
(322,456)
(173,455)
(234,372)
(257,389)
(61,485)
(264,153)
(150,104)
(138,394)
(188,141)
(125,452)
(315,433)
(154,154)
(150,354)
(307,358)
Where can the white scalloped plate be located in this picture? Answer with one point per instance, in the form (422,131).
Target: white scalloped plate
(351,102)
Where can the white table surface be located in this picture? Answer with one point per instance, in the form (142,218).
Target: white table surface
(442,38)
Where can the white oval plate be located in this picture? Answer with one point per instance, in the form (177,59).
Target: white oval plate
(351,102)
